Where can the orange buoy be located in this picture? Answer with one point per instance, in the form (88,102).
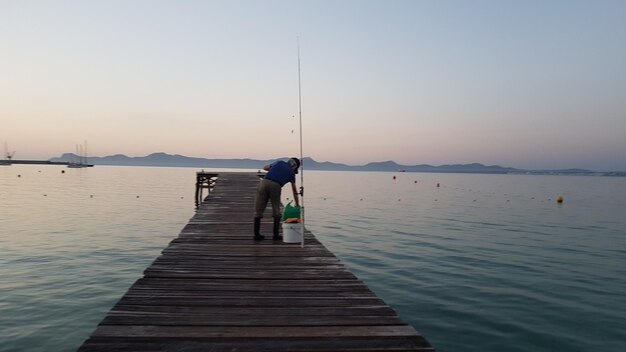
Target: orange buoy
(559,199)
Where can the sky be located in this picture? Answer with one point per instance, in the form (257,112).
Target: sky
(528,84)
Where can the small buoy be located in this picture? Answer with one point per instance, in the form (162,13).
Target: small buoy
(137,196)
(324,198)
(399,199)
(361,199)
(91,196)
(559,199)
(437,184)
(19,175)
(414,181)
(45,195)
(394,177)
(182,197)
(62,171)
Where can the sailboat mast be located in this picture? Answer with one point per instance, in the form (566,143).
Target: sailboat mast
(85,153)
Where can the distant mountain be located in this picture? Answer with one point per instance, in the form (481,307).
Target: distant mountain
(164,159)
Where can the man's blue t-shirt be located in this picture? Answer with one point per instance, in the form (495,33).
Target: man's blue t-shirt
(281,172)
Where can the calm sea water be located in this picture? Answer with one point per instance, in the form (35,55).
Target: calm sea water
(481,263)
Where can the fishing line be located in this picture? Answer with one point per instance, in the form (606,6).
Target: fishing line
(301,154)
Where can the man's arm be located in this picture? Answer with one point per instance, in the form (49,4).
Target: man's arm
(295,193)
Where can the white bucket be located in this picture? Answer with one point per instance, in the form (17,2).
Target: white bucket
(292,232)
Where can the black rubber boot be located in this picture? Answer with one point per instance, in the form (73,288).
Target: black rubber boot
(257,230)
(277,237)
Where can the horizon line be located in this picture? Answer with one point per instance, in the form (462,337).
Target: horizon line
(353,165)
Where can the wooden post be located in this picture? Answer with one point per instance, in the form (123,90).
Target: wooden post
(204,180)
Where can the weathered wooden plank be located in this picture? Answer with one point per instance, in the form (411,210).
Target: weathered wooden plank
(251,289)
(381,310)
(242,261)
(278,292)
(257,282)
(253,332)
(258,321)
(330,286)
(245,275)
(250,301)
(395,344)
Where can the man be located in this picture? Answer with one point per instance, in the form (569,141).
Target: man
(278,174)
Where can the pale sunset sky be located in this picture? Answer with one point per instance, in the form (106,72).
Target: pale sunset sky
(529,84)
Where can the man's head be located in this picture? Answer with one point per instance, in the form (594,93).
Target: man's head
(295,164)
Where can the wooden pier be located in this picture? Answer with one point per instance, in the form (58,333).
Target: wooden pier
(34,162)
(215,289)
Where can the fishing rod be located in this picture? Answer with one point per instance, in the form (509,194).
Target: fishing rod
(301,154)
